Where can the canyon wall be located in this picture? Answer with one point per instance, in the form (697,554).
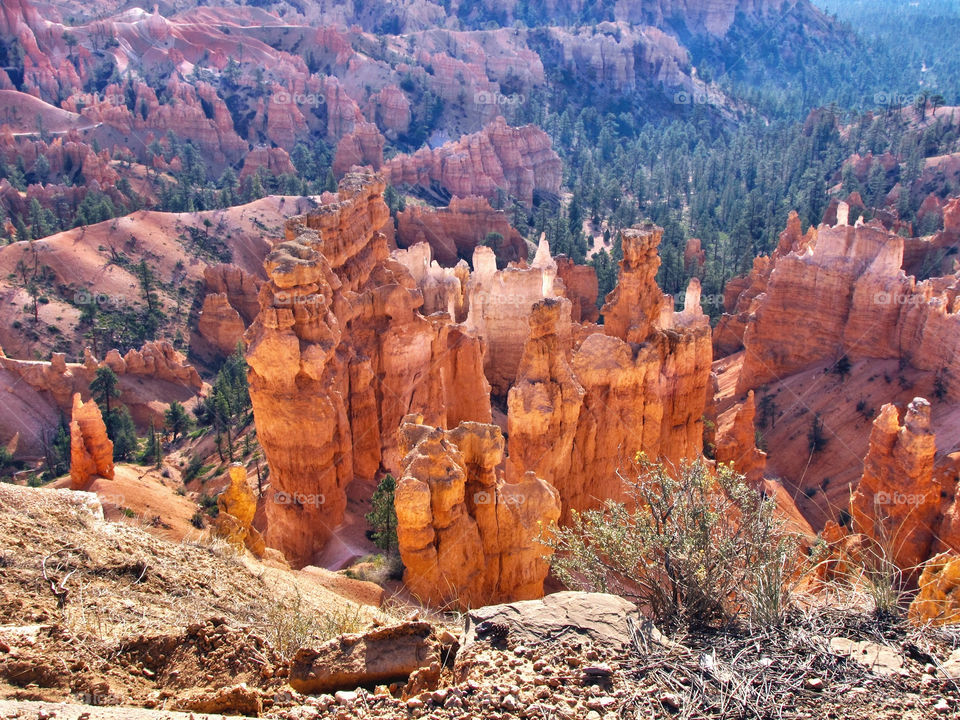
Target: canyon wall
(149,378)
(455,231)
(841,291)
(517,161)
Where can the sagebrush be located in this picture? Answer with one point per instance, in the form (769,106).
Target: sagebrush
(692,546)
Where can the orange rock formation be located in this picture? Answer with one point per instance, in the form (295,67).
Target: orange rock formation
(897,503)
(238,505)
(466,536)
(515,160)
(338,355)
(840,291)
(581,407)
(91,451)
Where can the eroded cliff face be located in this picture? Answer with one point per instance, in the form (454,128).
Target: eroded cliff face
(515,160)
(338,355)
(841,292)
(230,305)
(150,377)
(499,304)
(588,398)
(468,537)
(455,231)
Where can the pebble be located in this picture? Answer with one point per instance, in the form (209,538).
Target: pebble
(671,702)
(942,707)
(346,697)
(598,671)
(814,683)
(414,704)
(601,703)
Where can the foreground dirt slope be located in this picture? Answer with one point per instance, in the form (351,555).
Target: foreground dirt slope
(125,617)
(129,625)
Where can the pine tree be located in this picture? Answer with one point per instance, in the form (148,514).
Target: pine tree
(383,516)
(176,419)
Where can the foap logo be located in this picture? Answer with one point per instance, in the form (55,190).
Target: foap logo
(485,97)
(90,698)
(487,498)
(885,298)
(287,299)
(504,299)
(101,300)
(699,97)
(894,98)
(115,499)
(295,498)
(86,99)
(287,98)
(483,498)
(898,498)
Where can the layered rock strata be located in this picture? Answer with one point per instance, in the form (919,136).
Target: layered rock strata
(898,500)
(517,161)
(455,231)
(150,377)
(841,291)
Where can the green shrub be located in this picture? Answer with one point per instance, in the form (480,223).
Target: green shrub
(701,548)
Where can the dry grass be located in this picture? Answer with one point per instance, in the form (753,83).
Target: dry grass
(770,673)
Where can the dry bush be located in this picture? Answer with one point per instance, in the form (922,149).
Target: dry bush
(695,547)
(290,623)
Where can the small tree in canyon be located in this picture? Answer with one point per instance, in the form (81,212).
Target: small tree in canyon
(383,516)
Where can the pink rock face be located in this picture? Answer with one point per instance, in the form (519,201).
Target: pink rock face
(455,231)
(741,291)
(582,289)
(842,291)
(241,288)
(514,160)
(466,536)
(393,110)
(499,306)
(363,146)
(274,161)
(220,324)
(91,451)
(149,379)
(737,441)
